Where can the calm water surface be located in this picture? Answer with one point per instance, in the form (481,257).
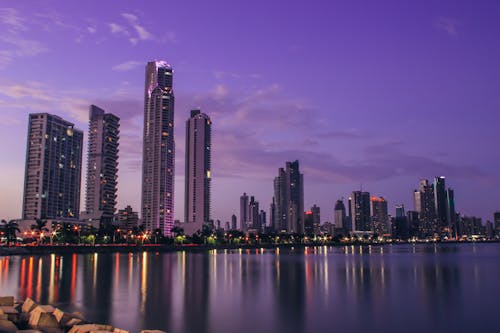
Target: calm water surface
(409,288)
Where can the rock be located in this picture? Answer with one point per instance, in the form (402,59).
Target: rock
(42,316)
(29,331)
(7,326)
(11,313)
(73,322)
(91,328)
(117,330)
(152,331)
(7,301)
(28,305)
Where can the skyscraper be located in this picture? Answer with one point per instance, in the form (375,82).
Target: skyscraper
(158,149)
(253,214)
(198,168)
(440,202)
(316,216)
(102,166)
(243,212)
(289,199)
(425,206)
(53,168)
(234,221)
(379,214)
(360,211)
(340,218)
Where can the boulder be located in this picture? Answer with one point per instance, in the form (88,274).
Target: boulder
(117,330)
(29,331)
(11,313)
(7,326)
(28,305)
(42,316)
(91,328)
(152,331)
(6,300)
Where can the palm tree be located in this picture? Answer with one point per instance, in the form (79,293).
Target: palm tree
(10,229)
(39,227)
(177,231)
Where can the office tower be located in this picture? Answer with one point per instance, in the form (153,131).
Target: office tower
(234,222)
(243,212)
(289,198)
(426,208)
(158,149)
(316,216)
(340,218)
(53,168)
(272,216)
(413,223)
(280,200)
(308,223)
(360,211)
(440,203)
(262,220)
(400,210)
(349,210)
(496,221)
(451,215)
(253,214)
(102,166)
(379,215)
(198,168)
(127,218)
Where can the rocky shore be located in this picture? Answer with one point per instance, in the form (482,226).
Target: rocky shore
(29,317)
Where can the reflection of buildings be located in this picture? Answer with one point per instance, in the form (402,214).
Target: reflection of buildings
(290,295)
(97,286)
(196,294)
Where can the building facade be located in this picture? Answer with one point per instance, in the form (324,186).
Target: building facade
(289,199)
(102,166)
(380,216)
(198,171)
(127,219)
(157,202)
(360,211)
(53,169)
(243,212)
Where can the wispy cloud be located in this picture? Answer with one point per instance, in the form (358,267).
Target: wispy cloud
(447,25)
(127,66)
(11,18)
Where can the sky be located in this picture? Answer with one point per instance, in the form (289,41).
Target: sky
(365,94)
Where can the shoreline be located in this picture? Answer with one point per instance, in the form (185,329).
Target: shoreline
(132,248)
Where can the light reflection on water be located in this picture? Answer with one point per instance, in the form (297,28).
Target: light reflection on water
(313,289)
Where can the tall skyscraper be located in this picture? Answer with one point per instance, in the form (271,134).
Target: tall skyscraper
(102,166)
(316,216)
(234,222)
(380,215)
(425,206)
(360,211)
(496,221)
(253,214)
(198,168)
(243,212)
(440,202)
(158,149)
(340,218)
(289,198)
(53,168)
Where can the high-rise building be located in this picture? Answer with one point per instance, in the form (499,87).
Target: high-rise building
(451,215)
(253,214)
(158,149)
(340,218)
(360,211)
(243,212)
(316,217)
(234,222)
(425,205)
(380,216)
(308,223)
(127,219)
(440,202)
(198,168)
(289,198)
(53,168)
(262,220)
(496,222)
(272,216)
(102,166)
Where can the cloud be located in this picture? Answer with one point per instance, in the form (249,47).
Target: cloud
(142,33)
(92,30)
(127,66)
(118,29)
(447,25)
(11,18)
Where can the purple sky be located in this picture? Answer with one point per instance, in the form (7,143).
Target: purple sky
(379,93)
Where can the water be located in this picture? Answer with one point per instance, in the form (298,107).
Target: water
(409,288)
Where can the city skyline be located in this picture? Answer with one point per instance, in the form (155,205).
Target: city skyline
(383,120)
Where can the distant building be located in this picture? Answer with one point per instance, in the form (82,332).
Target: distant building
(53,169)
(379,214)
(198,171)
(289,199)
(328,228)
(440,202)
(425,206)
(308,223)
(262,220)
(102,167)
(234,222)
(340,219)
(243,212)
(272,216)
(496,221)
(316,217)
(158,158)
(360,211)
(413,223)
(470,226)
(253,214)
(127,219)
